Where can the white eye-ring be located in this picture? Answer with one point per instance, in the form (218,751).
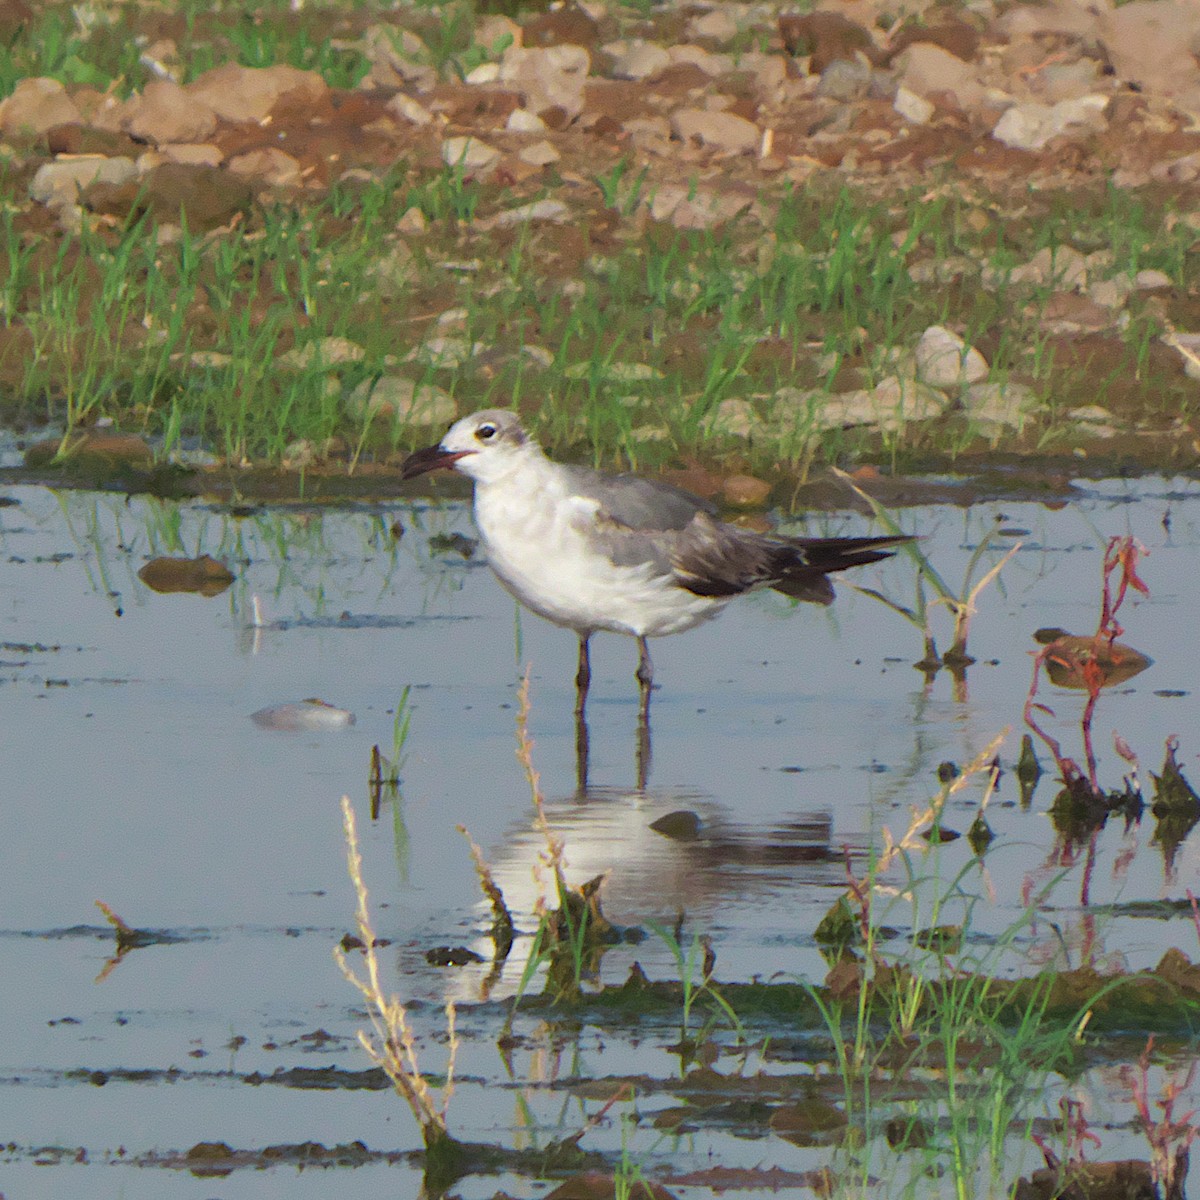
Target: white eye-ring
(485,433)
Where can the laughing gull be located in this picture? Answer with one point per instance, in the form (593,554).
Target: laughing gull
(590,550)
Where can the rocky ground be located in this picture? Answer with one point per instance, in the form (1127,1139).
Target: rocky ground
(713,109)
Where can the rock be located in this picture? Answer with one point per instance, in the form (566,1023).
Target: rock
(1062,266)
(1111,293)
(323,353)
(166,112)
(639,60)
(549,77)
(913,108)
(887,407)
(538,210)
(203,155)
(736,417)
(696,208)
(1096,420)
(723,131)
(540,154)
(1152,44)
(405,108)
(203,575)
(715,24)
(944,360)
(1151,279)
(237,93)
(521,120)
(36,105)
(1067,81)
(696,56)
(1031,126)
(930,71)
(61,182)
(745,491)
(470,153)
(304,716)
(1069,312)
(483,74)
(942,270)
(445,353)
(845,79)
(618,372)
(997,407)
(267,165)
(407,402)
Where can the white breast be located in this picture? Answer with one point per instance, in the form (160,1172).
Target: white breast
(536,535)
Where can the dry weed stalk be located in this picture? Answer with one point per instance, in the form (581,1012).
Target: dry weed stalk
(554,844)
(390,1045)
(861,889)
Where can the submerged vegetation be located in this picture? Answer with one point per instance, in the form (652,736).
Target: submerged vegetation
(931,1050)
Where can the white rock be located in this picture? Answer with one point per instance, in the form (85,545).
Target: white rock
(619,372)
(324,352)
(540,154)
(408,402)
(1151,279)
(945,360)
(1031,126)
(888,406)
(719,130)
(488,72)
(548,77)
(736,417)
(537,210)
(405,108)
(640,60)
(994,407)
(60,182)
(717,24)
(302,717)
(1062,266)
(468,152)
(913,108)
(445,352)
(927,70)
(1111,293)
(521,120)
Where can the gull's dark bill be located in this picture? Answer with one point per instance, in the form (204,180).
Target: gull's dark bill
(432,458)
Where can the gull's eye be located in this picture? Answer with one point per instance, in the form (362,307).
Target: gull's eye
(485,433)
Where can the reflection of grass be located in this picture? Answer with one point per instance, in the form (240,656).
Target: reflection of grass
(937,1010)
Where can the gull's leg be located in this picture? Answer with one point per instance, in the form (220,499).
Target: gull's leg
(645,676)
(642,755)
(581,754)
(583,677)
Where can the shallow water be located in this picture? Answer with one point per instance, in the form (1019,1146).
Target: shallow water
(133,774)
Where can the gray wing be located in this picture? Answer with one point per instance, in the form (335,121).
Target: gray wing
(646,522)
(639,504)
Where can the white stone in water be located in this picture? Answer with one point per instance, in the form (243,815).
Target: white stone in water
(303,716)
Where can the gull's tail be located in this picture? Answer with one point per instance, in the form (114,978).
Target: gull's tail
(811,559)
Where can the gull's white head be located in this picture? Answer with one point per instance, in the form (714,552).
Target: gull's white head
(486,446)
